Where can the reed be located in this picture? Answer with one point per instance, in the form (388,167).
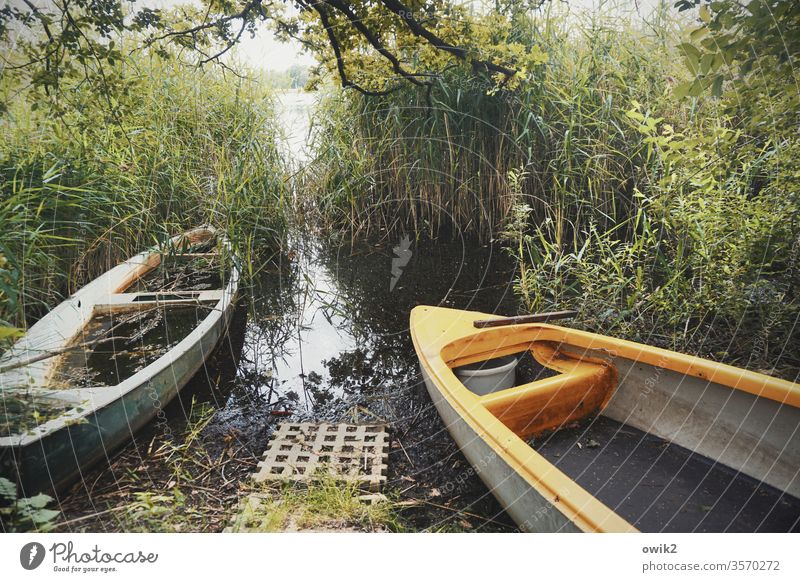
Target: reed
(400,163)
(81,189)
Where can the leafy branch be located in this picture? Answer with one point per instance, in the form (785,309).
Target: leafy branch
(75,33)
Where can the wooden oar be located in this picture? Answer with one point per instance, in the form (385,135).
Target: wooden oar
(533,318)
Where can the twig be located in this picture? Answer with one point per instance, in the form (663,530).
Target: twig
(46,355)
(461,512)
(399,442)
(413,422)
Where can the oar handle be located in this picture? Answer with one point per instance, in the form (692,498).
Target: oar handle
(533,318)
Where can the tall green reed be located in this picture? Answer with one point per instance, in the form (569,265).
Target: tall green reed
(81,190)
(400,162)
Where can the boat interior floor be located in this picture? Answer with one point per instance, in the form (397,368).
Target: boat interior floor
(126,342)
(662,487)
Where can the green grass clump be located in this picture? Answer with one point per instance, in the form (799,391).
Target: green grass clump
(325,504)
(403,163)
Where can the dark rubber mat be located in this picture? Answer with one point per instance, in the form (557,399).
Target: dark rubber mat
(658,486)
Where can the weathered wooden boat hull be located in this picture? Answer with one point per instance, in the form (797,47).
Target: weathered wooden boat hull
(54,462)
(60,454)
(746,423)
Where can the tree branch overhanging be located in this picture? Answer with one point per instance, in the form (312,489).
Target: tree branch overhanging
(322,12)
(43,21)
(407,16)
(321,7)
(338,22)
(373,40)
(250,11)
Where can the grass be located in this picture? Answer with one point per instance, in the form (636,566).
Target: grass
(180,483)
(323,505)
(80,192)
(174,481)
(397,164)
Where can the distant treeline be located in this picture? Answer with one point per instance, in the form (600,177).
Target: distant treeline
(295,77)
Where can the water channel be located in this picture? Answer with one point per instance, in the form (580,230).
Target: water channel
(322,334)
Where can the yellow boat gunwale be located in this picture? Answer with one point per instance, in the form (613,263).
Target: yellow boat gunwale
(446,338)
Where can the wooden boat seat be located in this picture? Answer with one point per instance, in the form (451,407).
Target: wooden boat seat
(150,262)
(116,302)
(582,388)
(195,255)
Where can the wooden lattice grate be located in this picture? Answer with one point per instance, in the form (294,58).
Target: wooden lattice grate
(350,452)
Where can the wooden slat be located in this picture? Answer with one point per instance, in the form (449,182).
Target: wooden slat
(533,318)
(127,301)
(191,255)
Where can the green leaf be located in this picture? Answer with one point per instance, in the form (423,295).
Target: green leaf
(682,90)
(693,65)
(635,115)
(44,516)
(698,34)
(718,61)
(38,501)
(8,490)
(537,55)
(689,50)
(705,63)
(9,332)
(696,89)
(716,86)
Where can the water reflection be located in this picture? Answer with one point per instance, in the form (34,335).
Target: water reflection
(325,324)
(322,334)
(327,339)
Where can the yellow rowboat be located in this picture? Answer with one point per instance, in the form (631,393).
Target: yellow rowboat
(612,435)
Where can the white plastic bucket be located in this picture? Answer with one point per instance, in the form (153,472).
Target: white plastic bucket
(488,376)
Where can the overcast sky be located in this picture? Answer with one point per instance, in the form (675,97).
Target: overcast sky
(259,52)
